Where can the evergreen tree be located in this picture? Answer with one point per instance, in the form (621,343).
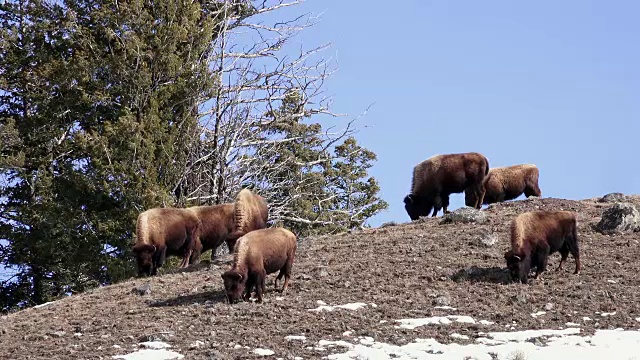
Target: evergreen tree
(356,197)
(104,97)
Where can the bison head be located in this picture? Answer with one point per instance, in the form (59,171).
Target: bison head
(417,206)
(144,256)
(518,265)
(234,283)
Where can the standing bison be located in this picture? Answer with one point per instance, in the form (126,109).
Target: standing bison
(439,176)
(191,231)
(537,234)
(256,254)
(250,212)
(186,232)
(507,183)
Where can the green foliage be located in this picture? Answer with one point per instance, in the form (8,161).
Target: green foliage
(99,121)
(356,194)
(99,105)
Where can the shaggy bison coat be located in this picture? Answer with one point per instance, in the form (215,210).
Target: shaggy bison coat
(185,232)
(161,232)
(250,212)
(537,234)
(439,176)
(256,254)
(507,183)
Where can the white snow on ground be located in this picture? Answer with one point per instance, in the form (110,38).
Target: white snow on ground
(45,304)
(351,306)
(263,352)
(155,350)
(295,337)
(444,320)
(556,344)
(445,308)
(150,354)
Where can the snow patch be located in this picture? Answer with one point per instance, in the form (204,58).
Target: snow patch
(445,308)
(350,306)
(604,344)
(539,313)
(263,352)
(45,304)
(150,354)
(434,320)
(296,337)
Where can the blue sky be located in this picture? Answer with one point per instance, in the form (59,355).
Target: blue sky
(554,83)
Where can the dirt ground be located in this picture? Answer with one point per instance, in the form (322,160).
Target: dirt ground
(405,270)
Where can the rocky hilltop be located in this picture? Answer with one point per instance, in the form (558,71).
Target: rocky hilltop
(435,278)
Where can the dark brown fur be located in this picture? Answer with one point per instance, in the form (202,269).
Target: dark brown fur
(250,213)
(537,234)
(217,225)
(187,232)
(439,176)
(507,183)
(257,254)
(161,232)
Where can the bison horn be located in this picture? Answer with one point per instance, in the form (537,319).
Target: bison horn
(517,257)
(154,248)
(239,277)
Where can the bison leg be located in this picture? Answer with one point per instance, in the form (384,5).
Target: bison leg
(480,197)
(541,259)
(445,204)
(260,285)
(564,254)
(286,272)
(575,250)
(437,205)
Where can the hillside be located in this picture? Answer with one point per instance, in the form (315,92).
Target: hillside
(407,271)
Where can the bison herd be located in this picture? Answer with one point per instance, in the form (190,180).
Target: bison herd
(258,250)
(534,235)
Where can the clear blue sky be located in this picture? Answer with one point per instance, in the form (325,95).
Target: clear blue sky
(554,83)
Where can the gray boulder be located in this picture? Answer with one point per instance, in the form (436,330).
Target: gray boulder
(464,215)
(613,198)
(619,218)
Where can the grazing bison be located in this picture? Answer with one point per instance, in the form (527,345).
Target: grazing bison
(184,232)
(507,183)
(537,234)
(161,232)
(439,176)
(250,213)
(256,254)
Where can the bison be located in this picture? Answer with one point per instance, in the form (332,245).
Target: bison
(507,183)
(537,234)
(250,212)
(161,232)
(439,176)
(194,230)
(256,254)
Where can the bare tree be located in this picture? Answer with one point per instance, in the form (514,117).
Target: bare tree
(255,71)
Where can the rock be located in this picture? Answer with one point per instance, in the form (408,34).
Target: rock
(613,198)
(144,289)
(465,215)
(58,333)
(487,239)
(442,301)
(323,273)
(388,224)
(548,306)
(619,218)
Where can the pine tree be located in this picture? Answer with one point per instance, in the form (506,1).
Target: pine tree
(356,197)
(103,97)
